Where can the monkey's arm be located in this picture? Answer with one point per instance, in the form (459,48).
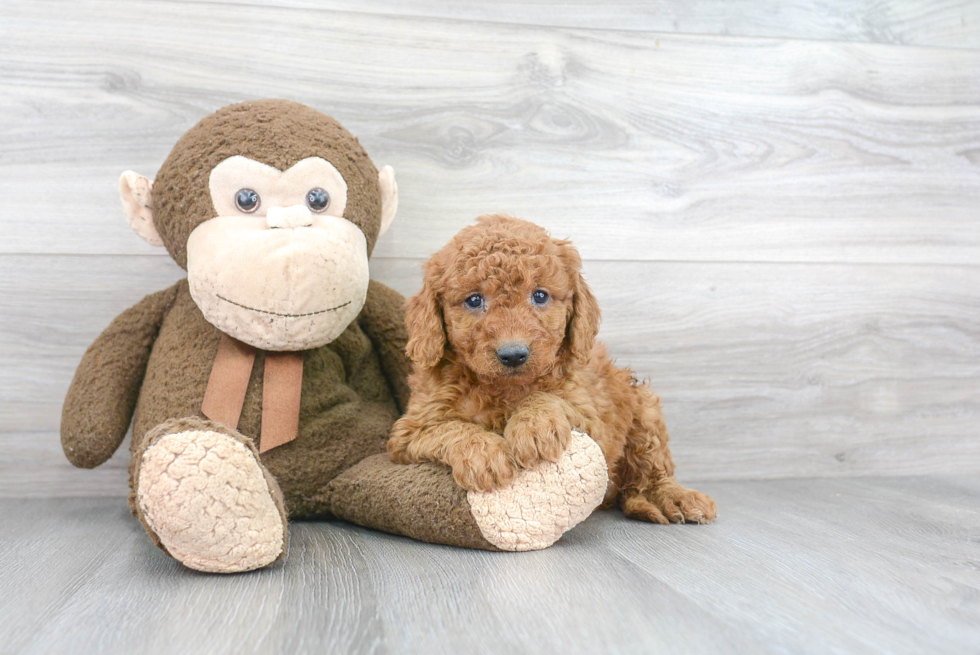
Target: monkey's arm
(102,396)
(383,319)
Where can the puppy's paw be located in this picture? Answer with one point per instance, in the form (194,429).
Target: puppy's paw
(536,437)
(671,503)
(398,446)
(407,444)
(480,463)
(683,505)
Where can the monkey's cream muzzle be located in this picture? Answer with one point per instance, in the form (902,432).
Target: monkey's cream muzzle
(291,280)
(295,216)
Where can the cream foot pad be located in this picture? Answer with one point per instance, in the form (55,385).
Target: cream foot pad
(205,496)
(545,502)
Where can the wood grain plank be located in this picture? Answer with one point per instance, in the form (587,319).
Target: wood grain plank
(765,370)
(814,557)
(114,586)
(533,603)
(798,566)
(639,146)
(796,370)
(941,23)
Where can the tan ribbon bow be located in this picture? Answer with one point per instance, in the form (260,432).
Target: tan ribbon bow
(282,384)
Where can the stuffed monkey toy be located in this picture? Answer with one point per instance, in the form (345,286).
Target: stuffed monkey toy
(263,386)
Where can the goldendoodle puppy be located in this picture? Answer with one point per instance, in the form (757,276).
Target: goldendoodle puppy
(502,336)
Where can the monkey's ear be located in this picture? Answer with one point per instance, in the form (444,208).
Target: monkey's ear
(389,198)
(134,191)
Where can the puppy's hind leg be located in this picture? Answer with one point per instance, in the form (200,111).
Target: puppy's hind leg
(649,490)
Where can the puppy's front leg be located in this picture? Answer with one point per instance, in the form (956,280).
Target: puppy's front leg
(477,457)
(538,430)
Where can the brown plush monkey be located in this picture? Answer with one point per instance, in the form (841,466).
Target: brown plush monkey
(264,385)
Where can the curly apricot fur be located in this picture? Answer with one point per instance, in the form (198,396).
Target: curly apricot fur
(469,411)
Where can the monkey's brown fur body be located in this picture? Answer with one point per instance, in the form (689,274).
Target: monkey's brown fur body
(487,420)
(348,403)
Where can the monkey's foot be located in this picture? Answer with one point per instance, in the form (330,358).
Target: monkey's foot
(545,501)
(208,500)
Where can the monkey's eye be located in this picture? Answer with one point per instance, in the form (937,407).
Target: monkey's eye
(540,297)
(317,199)
(475,301)
(247,200)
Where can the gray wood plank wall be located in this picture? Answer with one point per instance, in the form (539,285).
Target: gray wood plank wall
(778,203)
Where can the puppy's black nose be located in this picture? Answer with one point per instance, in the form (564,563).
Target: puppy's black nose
(513,354)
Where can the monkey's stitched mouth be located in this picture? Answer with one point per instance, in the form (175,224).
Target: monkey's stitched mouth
(266,311)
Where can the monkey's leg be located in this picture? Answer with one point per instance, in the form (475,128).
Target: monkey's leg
(423,501)
(204,497)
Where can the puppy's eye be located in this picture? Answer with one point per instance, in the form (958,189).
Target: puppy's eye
(474,302)
(317,199)
(247,200)
(539,297)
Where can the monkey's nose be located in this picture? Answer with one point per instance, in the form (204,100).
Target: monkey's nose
(294,216)
(513,354)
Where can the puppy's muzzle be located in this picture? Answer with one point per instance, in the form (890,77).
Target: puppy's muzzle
(513,355)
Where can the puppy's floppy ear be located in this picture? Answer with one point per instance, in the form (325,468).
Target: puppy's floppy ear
(423,318)
(583,325)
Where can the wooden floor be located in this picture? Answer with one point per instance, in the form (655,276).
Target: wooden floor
(872,565)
